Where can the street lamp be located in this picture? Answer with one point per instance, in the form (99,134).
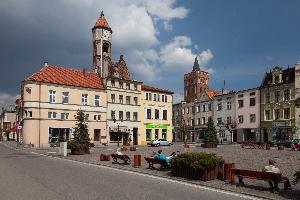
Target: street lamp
(118,133)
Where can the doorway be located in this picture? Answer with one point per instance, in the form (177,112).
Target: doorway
(97,135)
(135,136)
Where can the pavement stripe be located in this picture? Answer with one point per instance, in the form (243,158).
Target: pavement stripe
(158,178)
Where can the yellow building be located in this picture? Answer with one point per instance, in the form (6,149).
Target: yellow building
(156,114)
(50,99)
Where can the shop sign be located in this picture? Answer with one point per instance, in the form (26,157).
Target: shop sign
(279,124)
(156,126)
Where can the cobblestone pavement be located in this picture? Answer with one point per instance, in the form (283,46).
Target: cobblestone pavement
(252,159)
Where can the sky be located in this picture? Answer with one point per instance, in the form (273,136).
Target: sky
(234,40)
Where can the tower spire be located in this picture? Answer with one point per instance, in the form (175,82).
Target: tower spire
(196,66)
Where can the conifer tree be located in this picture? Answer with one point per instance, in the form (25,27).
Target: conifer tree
(211,132)
(81,135)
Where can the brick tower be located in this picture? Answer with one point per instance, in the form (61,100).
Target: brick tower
(195,83)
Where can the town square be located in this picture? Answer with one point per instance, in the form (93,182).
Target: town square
(150,99)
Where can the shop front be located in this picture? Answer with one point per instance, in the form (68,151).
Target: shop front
(158,131)
(59,134)
(119,135)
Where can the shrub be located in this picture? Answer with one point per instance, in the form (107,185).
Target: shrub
(198,160)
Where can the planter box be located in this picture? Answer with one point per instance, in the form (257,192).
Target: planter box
(123,148)
(81,150)
(205,174)
(280,148)
(104,157)
(132,148)
(210,145)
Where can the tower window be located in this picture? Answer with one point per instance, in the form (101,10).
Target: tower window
(105,47)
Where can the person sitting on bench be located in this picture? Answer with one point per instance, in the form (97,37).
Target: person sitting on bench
(118,152)
(273,169)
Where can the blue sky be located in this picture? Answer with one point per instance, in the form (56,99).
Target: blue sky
(235,40)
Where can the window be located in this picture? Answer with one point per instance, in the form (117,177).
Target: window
(209,107)
(121,99)
(64,115)
(286,113)
(192,122)
(148,134)
(27,113)
(135,86)
(219,106)
(268,115)
(252,118)
(84,99)
(97,117)
(113,84)
(198,121)
(276,79)
(222,133)
(128,100)
(127,116)
(193,109)
(187,110)
(240,95)
(156,114)
(52,115)
(276,114)
(147,96)
(166,98)
(158,97)
(241,119)
(86,117)
(113,114)
(135,116)
(164,133)
(277,95)
(150,97)
(148,113)
(203,108)
(228,120)
(156,134)
(268,97)
(286,94)
(121,84)
(197,109)
(128,86)
(135,99)
(241,103)
(165,115)
(203,120)
(52,96)
(252,101)
(113,98)
(154,97)
(121,115)
(163,98)
(97,100)
(229,105)
(219,121)
(183,111)
(65,97)
(252,93)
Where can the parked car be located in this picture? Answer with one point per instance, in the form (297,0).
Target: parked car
(54,142)
(160,142)
(285,143)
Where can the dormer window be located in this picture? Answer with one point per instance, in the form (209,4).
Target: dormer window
(276,79)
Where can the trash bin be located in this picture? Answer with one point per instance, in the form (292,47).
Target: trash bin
(227,171)
(137,160)
(63,148)
(268,146)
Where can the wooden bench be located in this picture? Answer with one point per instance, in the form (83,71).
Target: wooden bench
(258,175)
(125,158)
(151,161)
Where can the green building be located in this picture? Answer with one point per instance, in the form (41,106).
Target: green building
(277,107)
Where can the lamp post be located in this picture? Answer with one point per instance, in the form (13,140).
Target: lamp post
(118,133)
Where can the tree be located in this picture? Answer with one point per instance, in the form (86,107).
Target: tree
(211,132)
(183,128)
(81,135)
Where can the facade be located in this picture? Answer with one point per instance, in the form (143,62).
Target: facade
(297,97)
(8,124)
(124,111)
(50,99)
(195,83)
(248,115)
(176,117)
(225,117)
(277,109)
(156,112)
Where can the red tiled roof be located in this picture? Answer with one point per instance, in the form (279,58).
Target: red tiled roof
(149,88)
(102,23)
(213,93)
(67,76)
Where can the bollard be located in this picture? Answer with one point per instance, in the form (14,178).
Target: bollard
(137,160)
(63,148)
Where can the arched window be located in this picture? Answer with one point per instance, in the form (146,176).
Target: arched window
(105,47)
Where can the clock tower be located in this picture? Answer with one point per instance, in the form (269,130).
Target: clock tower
(102,46)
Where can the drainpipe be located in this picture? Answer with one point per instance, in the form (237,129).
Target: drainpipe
(39,114)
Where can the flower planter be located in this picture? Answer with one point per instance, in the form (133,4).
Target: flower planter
(280,148)
(132,148)
(80,150)
(123,148)
(104,157)
(210,145)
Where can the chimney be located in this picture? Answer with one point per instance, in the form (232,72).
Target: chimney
(45,64)
(84,73)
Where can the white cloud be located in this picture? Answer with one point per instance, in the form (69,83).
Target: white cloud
(177,98)
(7,99)
(178,55)
(165,10)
